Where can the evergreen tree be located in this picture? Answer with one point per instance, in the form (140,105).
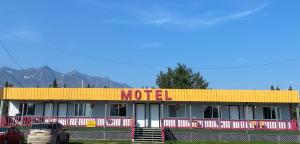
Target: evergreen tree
(54,84)
(7,84)
(88,86)
(272,87)
(181,77)
(65,85)
(290,88)
(277,88)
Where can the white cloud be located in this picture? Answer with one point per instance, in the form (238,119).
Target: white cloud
(162,21)
(157,16)
(239,14)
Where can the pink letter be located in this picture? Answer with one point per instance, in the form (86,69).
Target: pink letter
(158,95)
(138,95)
(125,96)
(148,93)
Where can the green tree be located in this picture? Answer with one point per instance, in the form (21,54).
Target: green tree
(181,78)
(272,87)
(88,86)
(290,88)
(54,84)
(7,84)
(277,88)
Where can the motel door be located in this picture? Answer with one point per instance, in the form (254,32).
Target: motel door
(234,112)
(154,115)
(140,115)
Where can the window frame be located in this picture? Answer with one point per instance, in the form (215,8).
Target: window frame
(218,108)
(239,111)
(78,107)
(253,111)
(118,115)
(25,113)
(185,111)
(277,112)
(52,104)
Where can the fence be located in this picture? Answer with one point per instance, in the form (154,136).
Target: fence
(230,124)
(67,121)
(241,137)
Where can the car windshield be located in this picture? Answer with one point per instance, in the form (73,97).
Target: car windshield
(3,130)
(41,126)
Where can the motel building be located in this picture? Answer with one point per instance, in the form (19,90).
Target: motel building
(152,108)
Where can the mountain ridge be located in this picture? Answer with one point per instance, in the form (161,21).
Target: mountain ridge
(44,76)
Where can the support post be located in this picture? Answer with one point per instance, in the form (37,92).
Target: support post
(105,120)
(1,107)
(22,113)
(298,116)
(162,115)
(191,116)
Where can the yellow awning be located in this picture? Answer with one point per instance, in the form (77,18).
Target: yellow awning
(120,94)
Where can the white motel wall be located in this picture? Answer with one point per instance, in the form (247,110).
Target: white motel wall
(231,111)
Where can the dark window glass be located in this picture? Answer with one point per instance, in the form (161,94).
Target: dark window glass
(27,109)
(118,110)
(270,112)
(80,109)
(3,130)
(31,109)
(42,126)
(122,110)
(172,111)
(211,112)
(177,110)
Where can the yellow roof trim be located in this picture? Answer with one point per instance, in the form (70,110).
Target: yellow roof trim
(182,95)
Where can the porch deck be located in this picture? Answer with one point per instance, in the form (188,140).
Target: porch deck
(128,122)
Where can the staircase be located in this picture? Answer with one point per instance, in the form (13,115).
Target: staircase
(147,135)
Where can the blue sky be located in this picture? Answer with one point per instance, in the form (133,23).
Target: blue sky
(131,41)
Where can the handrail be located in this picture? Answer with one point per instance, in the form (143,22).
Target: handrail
(132,129)
(290,125)
(122,122)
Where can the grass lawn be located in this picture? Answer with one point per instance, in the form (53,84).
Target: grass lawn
(172,142)
(236,131)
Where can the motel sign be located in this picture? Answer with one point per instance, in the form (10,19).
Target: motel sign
(159,95)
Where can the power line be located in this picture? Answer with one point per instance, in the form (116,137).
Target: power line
(10,55)
(121,62)
(15,61)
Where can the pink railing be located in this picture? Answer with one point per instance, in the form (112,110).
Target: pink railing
(67,121)
(230,124)
(132,129)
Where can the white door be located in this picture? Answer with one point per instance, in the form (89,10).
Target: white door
(140,115)
(248,110)
(234,112)
(154,115)
(48,111)
(62,109)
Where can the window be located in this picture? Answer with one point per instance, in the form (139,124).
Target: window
(249,113)
(117,109)
(211,112)
(26,109)
(82,109)
(177,111)
(48,109)
(270,112)
(234,112)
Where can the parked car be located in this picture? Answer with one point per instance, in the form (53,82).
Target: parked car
(11,135)
(49,133)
